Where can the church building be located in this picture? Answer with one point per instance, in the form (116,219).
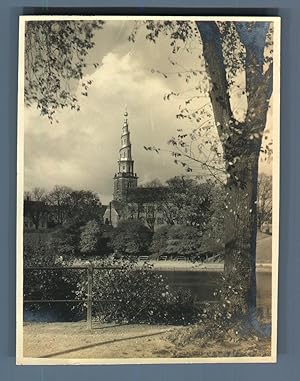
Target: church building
(129,200)
(123,180)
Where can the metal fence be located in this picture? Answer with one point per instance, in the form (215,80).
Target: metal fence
(89,300)
(263,311)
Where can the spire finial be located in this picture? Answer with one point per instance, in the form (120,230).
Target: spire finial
(126,112)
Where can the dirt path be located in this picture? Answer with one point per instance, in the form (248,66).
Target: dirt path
(75,341)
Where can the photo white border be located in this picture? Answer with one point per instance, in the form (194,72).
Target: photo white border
(20,359)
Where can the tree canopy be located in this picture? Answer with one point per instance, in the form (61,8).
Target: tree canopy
(73,206)
(131,237)
(177,240)
(63,205)
(55,60)
(228,50)
(90,238)
(187,202)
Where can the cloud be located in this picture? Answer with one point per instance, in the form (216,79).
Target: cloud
(82,150)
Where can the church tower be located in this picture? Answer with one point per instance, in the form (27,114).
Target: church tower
(125,177)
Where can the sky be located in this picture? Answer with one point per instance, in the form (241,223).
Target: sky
(81,151)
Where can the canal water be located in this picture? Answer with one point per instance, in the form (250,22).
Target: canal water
(203,284)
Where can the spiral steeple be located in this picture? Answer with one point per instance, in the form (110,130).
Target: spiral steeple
(125,178)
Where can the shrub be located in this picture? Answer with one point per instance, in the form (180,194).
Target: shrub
(228,311)
(129,293)
(137,294)
(49,284)
(64,240)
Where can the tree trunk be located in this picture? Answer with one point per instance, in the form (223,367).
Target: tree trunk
(240,224)
(241,145)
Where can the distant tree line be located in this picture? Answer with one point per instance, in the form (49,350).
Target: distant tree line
(191,213)
(62,205)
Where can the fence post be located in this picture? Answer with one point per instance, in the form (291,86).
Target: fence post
(89,296)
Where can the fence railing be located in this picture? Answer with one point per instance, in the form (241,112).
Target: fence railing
(263,311)
(89,300)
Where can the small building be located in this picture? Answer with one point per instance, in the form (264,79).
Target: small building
(112,214)
(36,214)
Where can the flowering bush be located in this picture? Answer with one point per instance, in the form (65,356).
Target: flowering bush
(137,294)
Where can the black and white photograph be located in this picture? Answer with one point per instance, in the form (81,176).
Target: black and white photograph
(148,189)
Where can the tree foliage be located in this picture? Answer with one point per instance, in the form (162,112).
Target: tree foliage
(132,294)
(35,211)
(73,207)
(41,284)
(90,238)
(177,240)
(35,206)
(181,201)
(227,50)
(155,183)
(37,194)
(55,60)
(83,206)
(264,201)
(64,240)
(58,199)
(131,237)
(187,202)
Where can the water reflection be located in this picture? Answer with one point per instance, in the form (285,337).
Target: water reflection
(203,284)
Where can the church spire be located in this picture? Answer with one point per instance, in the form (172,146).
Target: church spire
(125,161)
(125,178)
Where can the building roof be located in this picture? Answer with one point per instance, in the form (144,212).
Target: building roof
(103,209)
(146,195)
